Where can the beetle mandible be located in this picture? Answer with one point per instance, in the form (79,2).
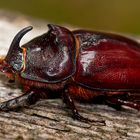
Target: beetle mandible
(75,65)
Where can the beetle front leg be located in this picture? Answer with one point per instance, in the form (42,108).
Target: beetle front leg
(26,99)
(70,103)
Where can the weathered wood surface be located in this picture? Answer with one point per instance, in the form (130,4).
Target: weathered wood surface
(49,119)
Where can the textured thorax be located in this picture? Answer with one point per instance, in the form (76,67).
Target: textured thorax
(50,57)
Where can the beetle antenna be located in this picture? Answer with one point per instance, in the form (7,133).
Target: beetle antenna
(17,38)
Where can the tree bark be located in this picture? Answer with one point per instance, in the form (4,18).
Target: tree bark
(50,119)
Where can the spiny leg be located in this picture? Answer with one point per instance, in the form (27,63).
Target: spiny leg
(70,103)
(126,102)
(26,99)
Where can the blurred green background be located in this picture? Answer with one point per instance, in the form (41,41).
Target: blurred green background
(109,15)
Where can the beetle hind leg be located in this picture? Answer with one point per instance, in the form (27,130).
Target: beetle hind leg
(26,99)
(132,100)
(70,103)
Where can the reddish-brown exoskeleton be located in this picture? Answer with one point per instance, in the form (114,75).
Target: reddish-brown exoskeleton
(77,65)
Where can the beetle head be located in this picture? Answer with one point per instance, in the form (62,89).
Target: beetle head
(13,62)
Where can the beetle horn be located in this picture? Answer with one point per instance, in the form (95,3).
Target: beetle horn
(15,43)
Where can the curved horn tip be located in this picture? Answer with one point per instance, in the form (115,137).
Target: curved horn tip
(15,43)
(28,28)
(22,32)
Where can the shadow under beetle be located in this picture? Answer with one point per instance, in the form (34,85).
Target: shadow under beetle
(75,65)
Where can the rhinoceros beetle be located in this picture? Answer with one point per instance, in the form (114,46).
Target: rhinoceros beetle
(75,65)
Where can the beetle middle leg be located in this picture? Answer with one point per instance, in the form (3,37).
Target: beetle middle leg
(70,103)
(29,98)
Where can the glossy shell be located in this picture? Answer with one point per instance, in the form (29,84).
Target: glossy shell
(107,61)
(50,57)
(95,60)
